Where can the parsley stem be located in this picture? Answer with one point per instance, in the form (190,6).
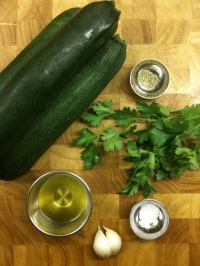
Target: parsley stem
(176,111)
(106,128)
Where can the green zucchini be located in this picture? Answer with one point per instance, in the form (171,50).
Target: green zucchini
(70,103)
(36,44)
(38,81)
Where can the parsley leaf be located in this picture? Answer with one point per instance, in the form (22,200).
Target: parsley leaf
(98,112)
(159,137)
(104,107)
(148,110)
(190,111)
(125,117)
(197,133)
(93,119)
(176,126)
(164,111)
(130,189)
(85,139)
(160,174)
(143,136)
(129,133)
(191,155)
(111,140)
(90,156)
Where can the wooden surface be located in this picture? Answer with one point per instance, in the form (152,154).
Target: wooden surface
(165,30)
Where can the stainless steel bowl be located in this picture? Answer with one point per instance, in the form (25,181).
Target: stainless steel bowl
(149,219)
(149,79)
(55,227)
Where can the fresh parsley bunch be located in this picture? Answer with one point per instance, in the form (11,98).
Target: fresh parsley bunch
(168,145)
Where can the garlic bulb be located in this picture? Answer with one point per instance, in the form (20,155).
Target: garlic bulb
(114,240)
(101,246)
(106,245)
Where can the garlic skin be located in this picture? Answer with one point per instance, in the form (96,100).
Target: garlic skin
(101,246)
(114,240)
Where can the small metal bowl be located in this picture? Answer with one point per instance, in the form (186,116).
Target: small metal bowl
(54,212)
(149,219)
(149,79)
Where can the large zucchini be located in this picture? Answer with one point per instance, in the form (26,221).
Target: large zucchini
(71,102)
(36,44)
(38,81)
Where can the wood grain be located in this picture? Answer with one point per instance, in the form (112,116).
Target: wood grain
(165,30)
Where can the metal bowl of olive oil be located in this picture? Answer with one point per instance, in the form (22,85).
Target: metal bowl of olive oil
(149,219)
(149,78)
(59,203)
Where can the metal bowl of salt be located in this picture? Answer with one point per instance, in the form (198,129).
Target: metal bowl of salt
(149,219)
(149,78)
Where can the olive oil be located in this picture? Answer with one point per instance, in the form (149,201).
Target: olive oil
(62,198)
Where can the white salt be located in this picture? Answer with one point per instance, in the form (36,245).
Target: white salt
(149,213)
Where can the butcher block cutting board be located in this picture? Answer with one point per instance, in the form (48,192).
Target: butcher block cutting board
(168,31)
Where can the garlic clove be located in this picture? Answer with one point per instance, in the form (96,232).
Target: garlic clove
(101,246)
(114,240)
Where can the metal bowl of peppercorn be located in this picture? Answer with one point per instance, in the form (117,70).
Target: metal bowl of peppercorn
(149,79)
